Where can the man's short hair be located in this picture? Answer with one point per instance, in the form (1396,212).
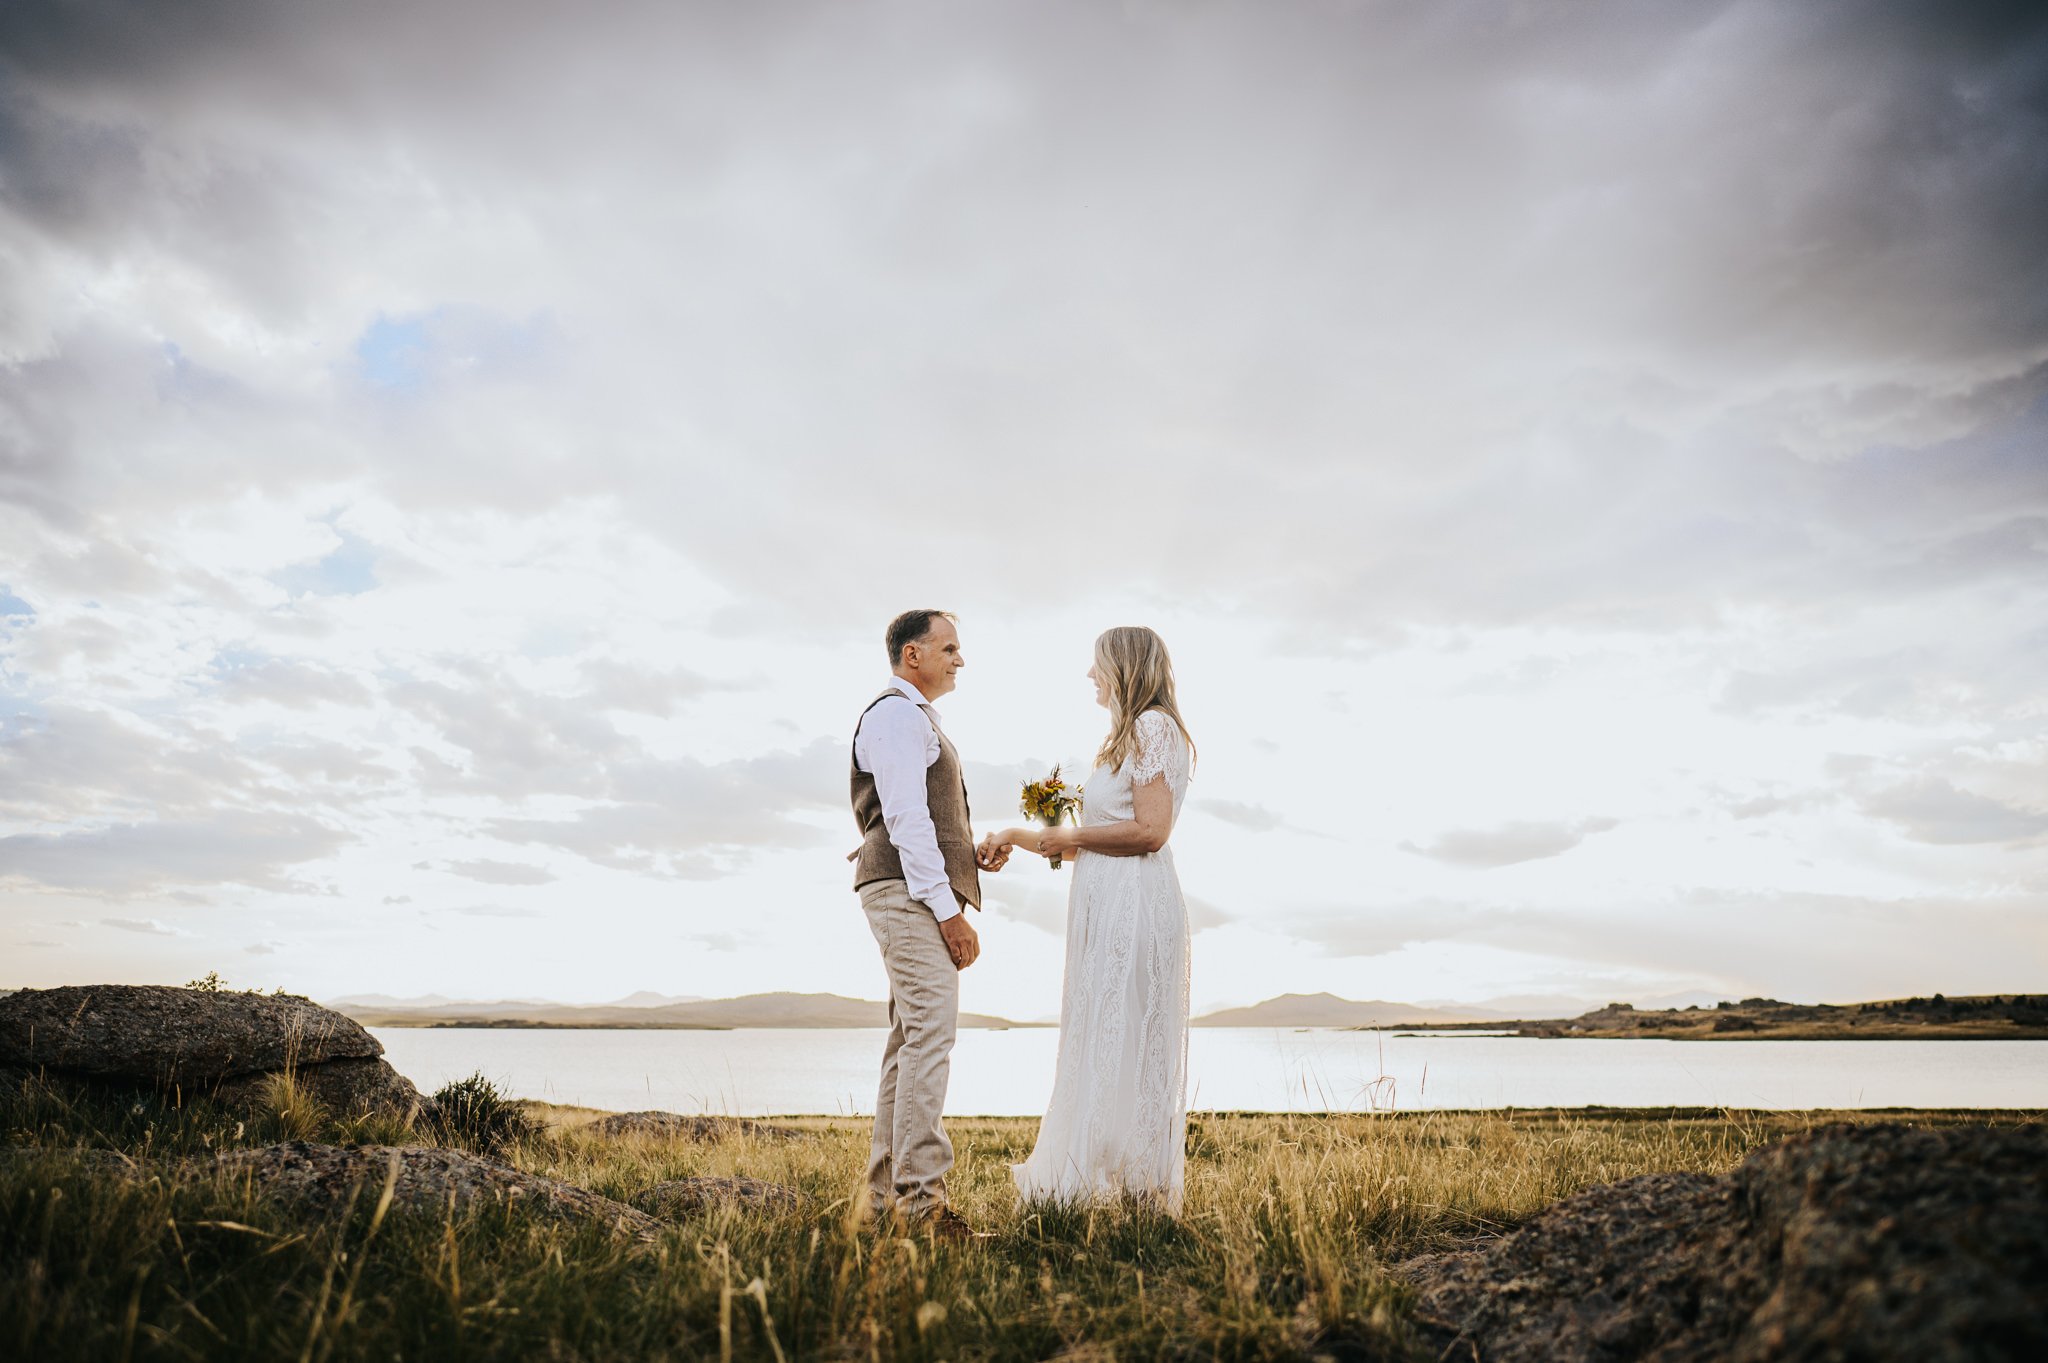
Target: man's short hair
(910,627)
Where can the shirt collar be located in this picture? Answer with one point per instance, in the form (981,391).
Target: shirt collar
(909,689)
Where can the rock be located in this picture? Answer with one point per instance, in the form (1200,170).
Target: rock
(683,1197)
(342,1085)
(93,1159)
(199,1041)
(317,1178)
(674,1126)
(1885,1242)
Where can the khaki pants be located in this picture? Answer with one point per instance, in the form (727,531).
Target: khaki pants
(908,1162)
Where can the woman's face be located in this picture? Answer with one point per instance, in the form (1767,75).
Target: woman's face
(1101,684)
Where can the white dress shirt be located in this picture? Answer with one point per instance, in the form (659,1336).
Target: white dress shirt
(897,745)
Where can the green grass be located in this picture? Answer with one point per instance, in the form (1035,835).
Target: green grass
(1290,1225)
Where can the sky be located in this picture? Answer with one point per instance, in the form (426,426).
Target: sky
(1590,464)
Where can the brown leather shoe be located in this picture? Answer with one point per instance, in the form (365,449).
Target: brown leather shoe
(946,1226)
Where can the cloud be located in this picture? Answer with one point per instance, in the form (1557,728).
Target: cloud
(154,926)
(500,872)
(1203,914)
(1509,843)
(497,911)
(264,948)
(1040,906)
(1783,944)
(1935,811)
(1647,420)
(1762,806)
(1380,930)
(1625,395)
(131,859)
(1250,817)
(616,686)
(693,820)
(293,685)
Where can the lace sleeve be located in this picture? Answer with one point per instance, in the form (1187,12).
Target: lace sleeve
(1156,735)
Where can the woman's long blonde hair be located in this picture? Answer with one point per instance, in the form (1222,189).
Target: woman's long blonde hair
(1133,664)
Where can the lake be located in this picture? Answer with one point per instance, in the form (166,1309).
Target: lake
(779,1072)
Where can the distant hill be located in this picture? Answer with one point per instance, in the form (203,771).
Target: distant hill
(1327,1010)
(1974,1017)
(750,1010)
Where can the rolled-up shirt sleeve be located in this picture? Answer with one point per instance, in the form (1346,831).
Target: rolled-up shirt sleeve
(897,747)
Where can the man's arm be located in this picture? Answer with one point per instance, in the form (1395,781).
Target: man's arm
(894,744)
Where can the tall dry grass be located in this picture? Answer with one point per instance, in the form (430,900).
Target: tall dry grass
(1290,1227)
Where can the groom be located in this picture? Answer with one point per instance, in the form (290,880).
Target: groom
(916,875)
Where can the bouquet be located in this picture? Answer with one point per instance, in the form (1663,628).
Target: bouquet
(1051,802)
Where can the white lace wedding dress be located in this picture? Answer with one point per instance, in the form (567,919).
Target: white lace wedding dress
(1118,1117)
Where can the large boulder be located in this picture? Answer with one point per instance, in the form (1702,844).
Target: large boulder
(318,1179)
(183,1041)
(1882,1242)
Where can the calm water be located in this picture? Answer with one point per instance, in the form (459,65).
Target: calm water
(764,1072)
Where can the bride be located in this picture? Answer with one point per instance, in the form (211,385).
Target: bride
(1118,1118)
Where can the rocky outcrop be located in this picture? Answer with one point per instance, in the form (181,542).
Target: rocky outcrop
(318,1178)
(191,1041)
(675,1126)
(683,1197)
(1883,1242)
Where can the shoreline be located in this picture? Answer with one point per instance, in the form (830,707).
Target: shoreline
(574,1114)
(1447,1030)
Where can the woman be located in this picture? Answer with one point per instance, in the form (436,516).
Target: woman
(1118,1118)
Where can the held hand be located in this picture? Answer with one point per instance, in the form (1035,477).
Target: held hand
(963,944)
(992,853)
(1059,841)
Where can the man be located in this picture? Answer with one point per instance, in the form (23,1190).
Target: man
(916,875)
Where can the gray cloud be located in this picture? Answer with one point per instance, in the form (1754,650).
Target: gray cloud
(500,872)
(1436,318)
(1508,843)
(1933,810)
(614,686)
(1616,391)
(1787,945)
(130,859)
(694,820)
(155,927)
(294,685)
(1859,686)
(1204,914)
(1378,930)
(1041,906)
(1250,817)
(514,740)
(1763,806)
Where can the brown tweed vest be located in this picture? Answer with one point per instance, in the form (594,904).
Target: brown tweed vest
(945,795)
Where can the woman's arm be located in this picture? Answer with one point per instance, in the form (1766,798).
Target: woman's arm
(1152,806)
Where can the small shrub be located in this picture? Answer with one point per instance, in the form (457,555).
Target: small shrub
(209,983)
(472,1113)
(287,1112)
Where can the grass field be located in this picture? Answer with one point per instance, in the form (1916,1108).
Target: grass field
(1283,1253)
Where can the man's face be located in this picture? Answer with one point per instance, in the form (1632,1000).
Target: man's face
(930,662)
